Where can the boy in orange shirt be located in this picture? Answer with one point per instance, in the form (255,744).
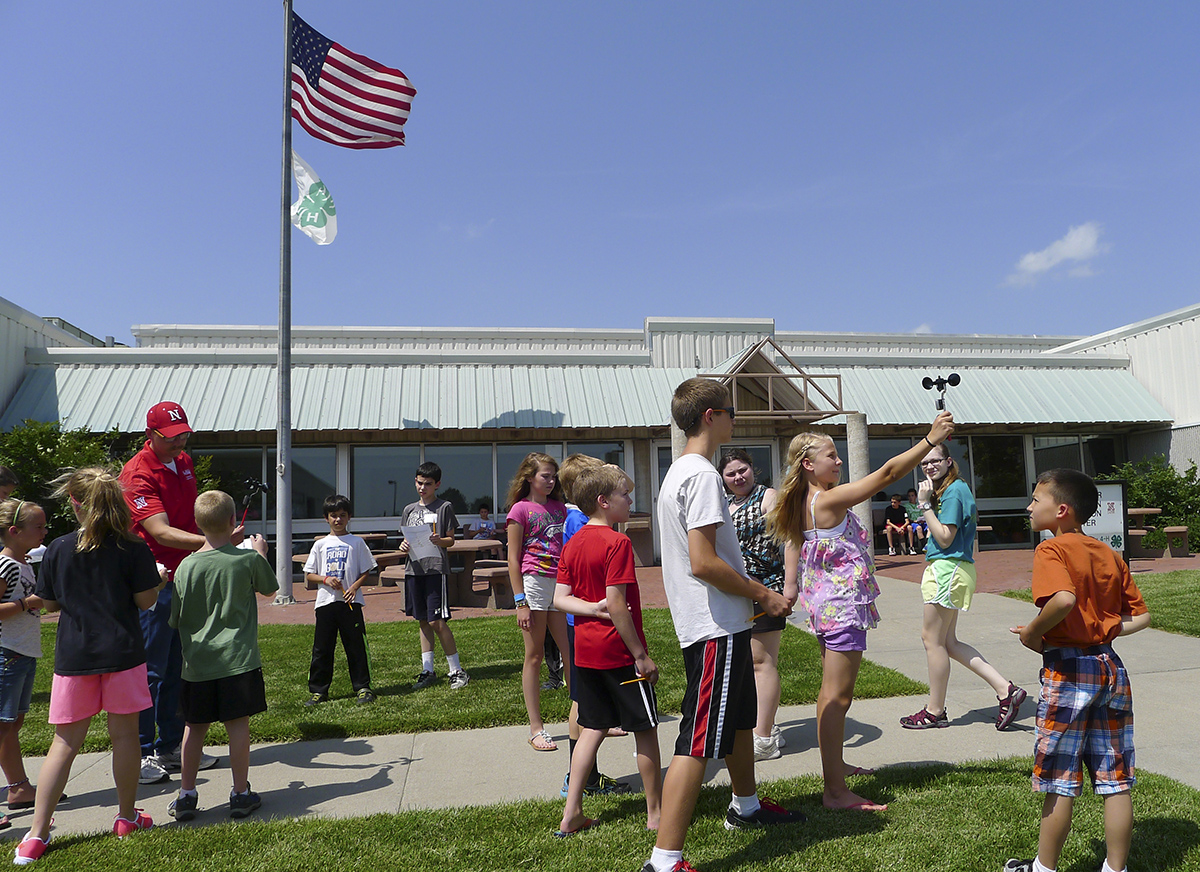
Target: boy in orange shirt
(1085,712)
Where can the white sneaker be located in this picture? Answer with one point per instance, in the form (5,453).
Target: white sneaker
(459,680)
(766,748)
(173,761)
(152,771)
(891,552)
(778,736)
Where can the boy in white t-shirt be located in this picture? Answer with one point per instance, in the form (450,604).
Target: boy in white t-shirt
(711,601)
(339,564)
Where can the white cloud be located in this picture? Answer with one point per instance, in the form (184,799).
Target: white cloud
(922,328)
(1079,246)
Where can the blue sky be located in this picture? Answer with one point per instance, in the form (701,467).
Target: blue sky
(945,167)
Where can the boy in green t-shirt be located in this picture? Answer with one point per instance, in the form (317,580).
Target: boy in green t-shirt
(217,617)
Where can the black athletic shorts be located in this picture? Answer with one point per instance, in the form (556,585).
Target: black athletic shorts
(223,699)
(605,702)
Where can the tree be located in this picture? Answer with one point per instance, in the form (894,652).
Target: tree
(1156,483)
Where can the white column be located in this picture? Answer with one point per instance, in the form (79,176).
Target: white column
(859,458)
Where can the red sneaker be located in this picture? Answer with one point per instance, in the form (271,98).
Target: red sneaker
(123,828)
(30,849)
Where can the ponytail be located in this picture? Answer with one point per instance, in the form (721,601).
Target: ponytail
(99,501)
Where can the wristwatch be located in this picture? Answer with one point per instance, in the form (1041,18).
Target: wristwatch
(925,507)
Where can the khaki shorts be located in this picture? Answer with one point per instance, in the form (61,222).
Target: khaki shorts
(949,583)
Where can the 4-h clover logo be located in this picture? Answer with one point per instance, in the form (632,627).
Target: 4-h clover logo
(316,207)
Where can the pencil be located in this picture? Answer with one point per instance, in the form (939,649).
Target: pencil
(632,680)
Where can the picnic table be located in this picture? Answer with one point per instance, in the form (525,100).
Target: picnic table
(1137,517)
(468,548)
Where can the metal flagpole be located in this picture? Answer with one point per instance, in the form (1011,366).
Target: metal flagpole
(283,367)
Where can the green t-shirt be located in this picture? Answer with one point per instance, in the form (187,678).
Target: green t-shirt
(913,510)
(215,611)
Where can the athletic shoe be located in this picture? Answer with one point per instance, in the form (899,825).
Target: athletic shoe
(923,720)
(605,786)
(566,786)
(891,552)
(241,804)
(183,808)
(1010,706)
(173,761)
(1018,866)
(778,736)
(123,828)
(316,699)
(681,866)
(553,684)
(30,849)
(459,680)
(152,771)
(766,748)
(366,696)
(769,813)
(424,680)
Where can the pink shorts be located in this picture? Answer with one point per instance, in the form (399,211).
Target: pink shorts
(76,698)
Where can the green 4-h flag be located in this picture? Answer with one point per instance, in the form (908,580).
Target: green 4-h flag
(314,212)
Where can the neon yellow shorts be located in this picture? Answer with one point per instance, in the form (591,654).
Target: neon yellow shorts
(949,583)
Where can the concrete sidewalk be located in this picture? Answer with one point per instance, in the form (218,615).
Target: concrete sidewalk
(353,777)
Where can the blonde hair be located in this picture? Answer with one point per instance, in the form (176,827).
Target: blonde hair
(571,469)
(785,521)
(10,514)
(518,489)
(692,399)
(599,481)
(214,509)
(951,474)
(99,501)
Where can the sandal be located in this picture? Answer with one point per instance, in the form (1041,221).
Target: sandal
(541,741)
(923,720)
(1009,707)
(587,824)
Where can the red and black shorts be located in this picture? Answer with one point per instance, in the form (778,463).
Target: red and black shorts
(720,697)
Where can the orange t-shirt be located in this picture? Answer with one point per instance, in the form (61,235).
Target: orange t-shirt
(1099,578)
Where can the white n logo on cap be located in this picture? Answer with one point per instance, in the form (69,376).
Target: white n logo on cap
(175,416)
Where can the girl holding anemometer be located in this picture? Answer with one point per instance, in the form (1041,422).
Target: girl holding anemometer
(22,528)
(535,536)
(837,581)
(99,577)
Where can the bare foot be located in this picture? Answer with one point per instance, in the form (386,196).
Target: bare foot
(858,770)
(850,801)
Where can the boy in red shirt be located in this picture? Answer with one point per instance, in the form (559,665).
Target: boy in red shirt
(1085,712)
(596,582)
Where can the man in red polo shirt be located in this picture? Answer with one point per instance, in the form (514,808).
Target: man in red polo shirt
(160,487)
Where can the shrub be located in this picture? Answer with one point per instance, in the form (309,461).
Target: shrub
(1156,483)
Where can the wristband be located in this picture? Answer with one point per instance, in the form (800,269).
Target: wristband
(518,598)
(22,602)
(931,445)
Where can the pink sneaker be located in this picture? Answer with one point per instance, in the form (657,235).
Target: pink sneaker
(123,828)
(30,849)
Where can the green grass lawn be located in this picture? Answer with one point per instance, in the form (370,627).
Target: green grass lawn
(967,818)
(491,651)
(1170,596)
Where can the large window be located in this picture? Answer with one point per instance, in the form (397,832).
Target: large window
(508,459)
(466,475)
(382,478)
(233,469)
(999,466)
(1054,452)
(609,452)
(314,477)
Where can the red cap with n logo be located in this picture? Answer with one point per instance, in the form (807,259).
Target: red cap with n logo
(168,419)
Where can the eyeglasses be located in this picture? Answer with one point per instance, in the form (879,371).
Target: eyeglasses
(728,410)
(934,462)
(182,436)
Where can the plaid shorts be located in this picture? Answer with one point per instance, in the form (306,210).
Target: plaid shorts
(1084,718)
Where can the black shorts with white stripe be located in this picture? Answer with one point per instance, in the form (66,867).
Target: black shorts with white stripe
(605,702)
(720,697)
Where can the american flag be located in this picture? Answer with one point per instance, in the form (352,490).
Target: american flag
(343,97)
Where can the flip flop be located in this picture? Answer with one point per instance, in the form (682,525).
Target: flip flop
(5,823)
(616,733)
(547,743)
(587,824)
(859,770)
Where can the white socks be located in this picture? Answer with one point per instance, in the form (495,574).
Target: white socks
(427,661)
(1107,868)
(745,805)
(664,861)
(452,663)
(1038,867)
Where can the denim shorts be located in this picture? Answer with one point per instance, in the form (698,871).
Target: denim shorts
(16,684)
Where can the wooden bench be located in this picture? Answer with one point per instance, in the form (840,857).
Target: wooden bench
(1177,540)
(1137,549)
